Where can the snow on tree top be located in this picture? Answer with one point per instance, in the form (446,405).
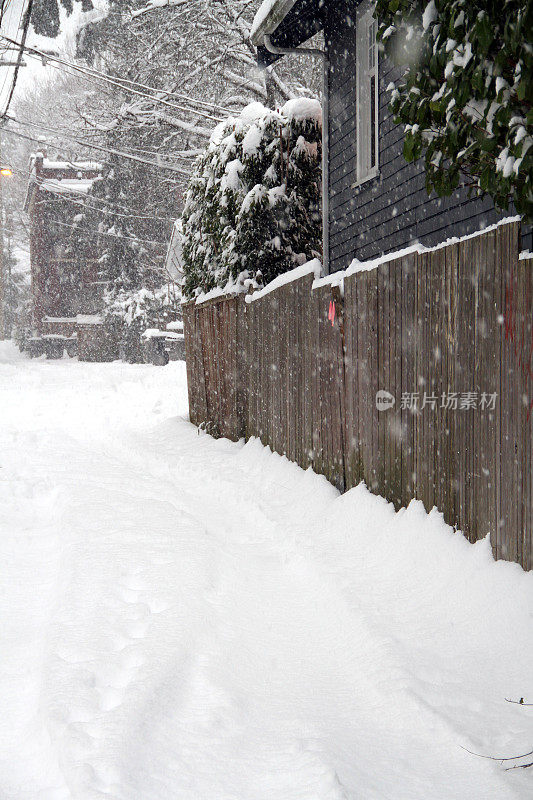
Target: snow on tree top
(252,209)
(299,108)
(252,113)
(303,108)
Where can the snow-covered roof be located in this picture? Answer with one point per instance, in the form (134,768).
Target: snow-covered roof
(62,165)
(177,325)
(89,319)
(268,17)
(59,177)
(66,185)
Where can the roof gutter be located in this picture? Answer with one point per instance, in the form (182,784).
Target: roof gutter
(271,20)
(309,51)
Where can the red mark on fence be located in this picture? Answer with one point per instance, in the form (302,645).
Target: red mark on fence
(331,313)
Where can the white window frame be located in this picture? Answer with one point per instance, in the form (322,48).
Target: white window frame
(367,93)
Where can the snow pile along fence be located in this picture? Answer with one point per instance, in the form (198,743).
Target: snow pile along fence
(414,376)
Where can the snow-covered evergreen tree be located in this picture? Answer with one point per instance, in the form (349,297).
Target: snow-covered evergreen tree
(253,204)
(466,95)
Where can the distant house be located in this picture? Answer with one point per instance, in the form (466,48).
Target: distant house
(64,279)
(377,201)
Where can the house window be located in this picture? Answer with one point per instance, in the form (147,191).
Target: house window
(367,93)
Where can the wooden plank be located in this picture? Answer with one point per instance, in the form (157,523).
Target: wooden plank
(485,372)
(308,364)
(396,388)
(348,382)
(202,370)
(512,434)
(341,390)
(381,343)
(526,268)
(292,395)
(321,413)
(507,464)
(363,376)
(277,334)
(249,380)
(386,418)
(375,465)
(190,340)
(295,343)
(289,397)
(444,496)
(462,375)
(253,333)
(519,392)
(452,283)
(264,360)
(315,382)
(241,367)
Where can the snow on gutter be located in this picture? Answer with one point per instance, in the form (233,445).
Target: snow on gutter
(270,14)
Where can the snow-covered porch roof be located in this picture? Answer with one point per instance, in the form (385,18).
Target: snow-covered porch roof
(288,22)
(59,177)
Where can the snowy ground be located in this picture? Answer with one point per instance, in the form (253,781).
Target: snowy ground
(187,618)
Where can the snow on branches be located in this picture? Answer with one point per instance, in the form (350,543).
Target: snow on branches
(253,204)
(465,96)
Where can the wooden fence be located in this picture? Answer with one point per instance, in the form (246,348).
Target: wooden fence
(446,332)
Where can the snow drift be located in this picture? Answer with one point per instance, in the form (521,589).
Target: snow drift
(191,618)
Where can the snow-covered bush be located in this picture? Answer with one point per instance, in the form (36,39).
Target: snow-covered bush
(253,202)
(128,314)
(466,95)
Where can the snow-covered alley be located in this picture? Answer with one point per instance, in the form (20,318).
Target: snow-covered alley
(189,618)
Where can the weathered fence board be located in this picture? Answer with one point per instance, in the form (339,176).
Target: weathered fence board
(447,332)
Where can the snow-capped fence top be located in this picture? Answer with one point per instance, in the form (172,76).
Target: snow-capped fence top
(418,381)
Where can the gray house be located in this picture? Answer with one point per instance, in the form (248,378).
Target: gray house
(375,202)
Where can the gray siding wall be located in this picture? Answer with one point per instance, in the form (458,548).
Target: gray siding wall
(392,210)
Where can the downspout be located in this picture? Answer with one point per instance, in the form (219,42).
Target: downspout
(308,51)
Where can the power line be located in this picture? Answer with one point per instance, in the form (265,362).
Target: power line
(101,148)
(106,233)
(209,105)
(98,73)
(88,71)
(181,155)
